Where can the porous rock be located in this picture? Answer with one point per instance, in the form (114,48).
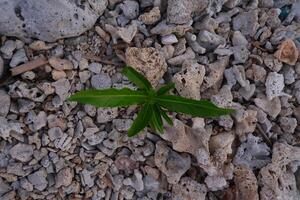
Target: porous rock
(277,179)
(253,153)
(246,183)
(274,85)
(188,189)
(246,22)
(287,52)
(148,61)
(180,11)
(24,22)
(171,163)
(184,138)
(189,80)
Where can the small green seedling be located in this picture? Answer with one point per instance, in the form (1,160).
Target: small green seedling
(153,103)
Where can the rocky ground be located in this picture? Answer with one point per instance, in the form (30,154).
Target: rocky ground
(239,54)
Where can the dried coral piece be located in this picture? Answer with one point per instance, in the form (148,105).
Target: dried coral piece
(147,61)
(186,139)
(246,183)
(188,189)
(189,80)
(287,52)
(150,17)
(277,180)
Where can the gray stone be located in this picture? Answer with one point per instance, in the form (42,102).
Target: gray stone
(130,9)
(21,152)
(25,105)
(106,114)
(209,40)
(169,39)
(49,20)
(253,153)
(62,87)
(246,22)
(122,124)
(18,58)
(4,102)
(8,49)
(84,76)
(4,187)
(38,179)
(171,163)
(55,133)
(241,54)
(180,11)
(26,185)
(95,67)
(86,178)
(288,124)
(239,39)
(101,81)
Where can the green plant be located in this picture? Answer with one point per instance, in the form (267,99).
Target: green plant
(153,103)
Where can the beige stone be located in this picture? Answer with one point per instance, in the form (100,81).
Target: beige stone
(147,61)
(287,52)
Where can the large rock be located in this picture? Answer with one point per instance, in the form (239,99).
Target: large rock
(48,20)
(147,61)
(180,11)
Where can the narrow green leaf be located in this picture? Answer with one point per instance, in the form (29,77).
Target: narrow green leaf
(142,120)
(110,97)
(166,116)
(192,107)
(138,79)
(166,88)
(157,120)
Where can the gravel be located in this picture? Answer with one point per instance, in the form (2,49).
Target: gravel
(238,54)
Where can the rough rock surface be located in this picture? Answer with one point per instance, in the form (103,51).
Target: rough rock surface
(37,19)
(147,61)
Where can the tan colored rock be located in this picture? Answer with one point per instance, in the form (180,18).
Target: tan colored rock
(56,75)
(277,179)
(127,33)
(151,17)
(147,61)
(40,45)
(287,52)
(186,139)
(246,183)
(245,123)
(221,141)
(171,163)
(60,64)
(272,107)
(189,80)
(188,189)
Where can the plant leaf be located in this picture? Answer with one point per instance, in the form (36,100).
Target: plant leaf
(110,97)
(142,120)
(157,120)
(166,116)
(202,108)
(138,79)
(166,88)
